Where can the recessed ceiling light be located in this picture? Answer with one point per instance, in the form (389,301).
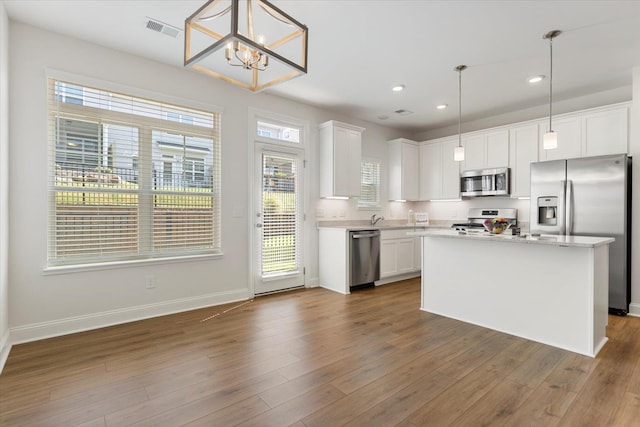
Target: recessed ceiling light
(442,106)
(383,117)
(403,112)
(398,88)
(535,79)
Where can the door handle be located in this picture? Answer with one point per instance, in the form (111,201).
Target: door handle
(569,208)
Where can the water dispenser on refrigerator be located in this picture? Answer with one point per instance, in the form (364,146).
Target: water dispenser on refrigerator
(547,210)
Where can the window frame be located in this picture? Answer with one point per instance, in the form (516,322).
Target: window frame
(110,116)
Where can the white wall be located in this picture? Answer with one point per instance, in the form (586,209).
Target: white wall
(458,210)
(45,305)
(5,343)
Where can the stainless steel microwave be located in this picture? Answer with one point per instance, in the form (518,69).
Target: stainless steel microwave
(485,182)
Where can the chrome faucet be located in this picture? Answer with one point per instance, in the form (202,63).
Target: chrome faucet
(375,219)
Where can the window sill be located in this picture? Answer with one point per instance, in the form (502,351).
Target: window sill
(67,269)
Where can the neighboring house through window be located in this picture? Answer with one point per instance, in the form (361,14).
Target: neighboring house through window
(130,178)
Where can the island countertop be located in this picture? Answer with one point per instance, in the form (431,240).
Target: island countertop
(545,239)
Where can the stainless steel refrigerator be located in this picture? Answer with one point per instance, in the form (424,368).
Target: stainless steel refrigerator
(590,196)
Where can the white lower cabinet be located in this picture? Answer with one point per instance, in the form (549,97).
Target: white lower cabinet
(398,253)
(417,253)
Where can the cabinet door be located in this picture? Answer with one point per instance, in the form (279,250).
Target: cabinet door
(497,149)
(342,173)
(388,258)
(523,151)
(355,160)
(431,171)
(450,171)
(417,253)
(474,152)
(410,172)
(606,132)
(405,254)
(569,139)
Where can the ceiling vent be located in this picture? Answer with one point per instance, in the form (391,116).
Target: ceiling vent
(161,27)
(403,112)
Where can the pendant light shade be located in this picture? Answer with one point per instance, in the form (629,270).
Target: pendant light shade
(458,153)
(550,138)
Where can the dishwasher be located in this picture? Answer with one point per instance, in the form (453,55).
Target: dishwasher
(364,258)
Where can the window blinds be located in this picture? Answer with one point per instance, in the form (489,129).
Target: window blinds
(281,218)
(369,184)
(129,178)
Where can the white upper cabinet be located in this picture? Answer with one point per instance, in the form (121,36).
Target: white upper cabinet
(439,173)
(431,171)
(474,152)
(487,149)
(450,171)
(404,172)
(606,132)
(340,156)
(568,130)
(595,132)
(497,148)
(523,150)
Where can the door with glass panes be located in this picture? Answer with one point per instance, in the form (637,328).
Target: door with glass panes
(278,218)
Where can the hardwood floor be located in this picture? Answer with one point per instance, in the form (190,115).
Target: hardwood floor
(318,358)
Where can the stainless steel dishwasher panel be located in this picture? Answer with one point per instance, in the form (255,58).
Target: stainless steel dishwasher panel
(364,257)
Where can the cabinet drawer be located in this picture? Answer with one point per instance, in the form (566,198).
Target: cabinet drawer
(395,234)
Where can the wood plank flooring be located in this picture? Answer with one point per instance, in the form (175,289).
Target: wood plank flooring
(314,358)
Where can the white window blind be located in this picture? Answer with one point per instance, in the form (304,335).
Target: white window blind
(281,219)
(130,178)
(369,184)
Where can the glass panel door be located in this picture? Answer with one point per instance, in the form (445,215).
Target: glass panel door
(279,220)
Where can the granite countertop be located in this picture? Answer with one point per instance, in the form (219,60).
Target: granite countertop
(545,239)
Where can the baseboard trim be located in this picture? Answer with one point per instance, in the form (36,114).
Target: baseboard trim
(5,348)
(70,325)
(634,309)
(313,283)
(397,278)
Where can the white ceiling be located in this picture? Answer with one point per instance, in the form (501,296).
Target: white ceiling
(359,49)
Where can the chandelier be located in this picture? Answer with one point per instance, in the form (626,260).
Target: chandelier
(249,43)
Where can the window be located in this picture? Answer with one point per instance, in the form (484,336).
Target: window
(278,131)
(369,185)
(130,178)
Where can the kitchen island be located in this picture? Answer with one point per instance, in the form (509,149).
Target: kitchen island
(549,289)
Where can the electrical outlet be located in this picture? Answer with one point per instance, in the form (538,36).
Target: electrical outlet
(150,282)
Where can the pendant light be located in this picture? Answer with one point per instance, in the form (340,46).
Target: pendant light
(458,153)
(550,138)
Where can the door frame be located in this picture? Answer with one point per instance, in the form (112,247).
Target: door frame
(252,140)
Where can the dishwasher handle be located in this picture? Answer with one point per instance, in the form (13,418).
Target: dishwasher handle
(362,235)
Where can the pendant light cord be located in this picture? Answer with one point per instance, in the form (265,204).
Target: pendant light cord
(550,80)
(550,36)
(459,69)
(459,107)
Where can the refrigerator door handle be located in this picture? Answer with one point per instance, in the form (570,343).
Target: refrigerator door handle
(569,208)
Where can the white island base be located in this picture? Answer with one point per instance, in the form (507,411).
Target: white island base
(551,291)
